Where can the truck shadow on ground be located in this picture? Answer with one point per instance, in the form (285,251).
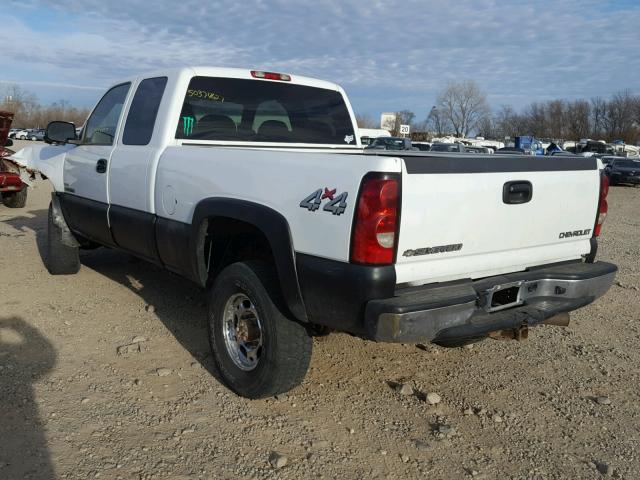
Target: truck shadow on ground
(179,304)
(25,357)
(34,221)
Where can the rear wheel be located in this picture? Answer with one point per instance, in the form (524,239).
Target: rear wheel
(60,258)
(15,199)
(258,351)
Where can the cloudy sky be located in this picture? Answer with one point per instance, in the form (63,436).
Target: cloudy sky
(387,55)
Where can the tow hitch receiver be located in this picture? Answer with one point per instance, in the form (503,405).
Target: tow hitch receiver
(502,296)
(520,333)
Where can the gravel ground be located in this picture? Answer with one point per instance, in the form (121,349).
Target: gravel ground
(104,374)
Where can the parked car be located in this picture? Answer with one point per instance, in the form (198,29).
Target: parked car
(12,132)
(390,143)
(623,170)
(510,151)
(477,149)
(296,229)
(22,134)
(607,159)
(447,147)
(422,146)
(37,134)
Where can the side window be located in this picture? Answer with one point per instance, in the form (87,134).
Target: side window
(103,122)
(143,111)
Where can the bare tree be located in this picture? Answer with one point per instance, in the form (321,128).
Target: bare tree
(463,104)
(577,121)
(556,116)
(536,120)
(29,113)
(487,127)
(365,121)
(620,113)
(598,117)
(435,122)
(21,102)
(508,122)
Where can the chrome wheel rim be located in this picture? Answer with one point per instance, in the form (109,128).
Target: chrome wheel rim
(242,332)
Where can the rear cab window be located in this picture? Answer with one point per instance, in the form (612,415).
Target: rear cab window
(143,111)
(243,110)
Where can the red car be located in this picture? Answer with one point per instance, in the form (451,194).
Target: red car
(12,189)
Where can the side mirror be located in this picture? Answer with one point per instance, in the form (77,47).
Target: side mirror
(8,143)
(60,132)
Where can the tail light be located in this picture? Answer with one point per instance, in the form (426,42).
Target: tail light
(271,75)
(376,222)
(603,207)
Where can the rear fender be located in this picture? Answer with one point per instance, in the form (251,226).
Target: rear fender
(275,228)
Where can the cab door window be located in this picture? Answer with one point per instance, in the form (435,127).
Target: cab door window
(102,124)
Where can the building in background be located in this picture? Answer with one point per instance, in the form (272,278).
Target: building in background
(388,121)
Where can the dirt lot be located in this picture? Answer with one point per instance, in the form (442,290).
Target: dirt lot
(561,405)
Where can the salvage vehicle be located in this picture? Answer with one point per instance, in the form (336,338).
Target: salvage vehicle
(254,185)
(12,189)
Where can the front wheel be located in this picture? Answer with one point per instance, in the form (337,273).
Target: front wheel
(15,199)
(60,259)
(258,352)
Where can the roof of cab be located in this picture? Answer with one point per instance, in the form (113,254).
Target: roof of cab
(244,73)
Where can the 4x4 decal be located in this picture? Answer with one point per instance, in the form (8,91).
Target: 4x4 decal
(336,204)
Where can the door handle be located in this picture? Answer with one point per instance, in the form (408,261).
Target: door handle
(101,165)
(517,191)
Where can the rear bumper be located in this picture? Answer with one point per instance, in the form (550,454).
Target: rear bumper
(457,311)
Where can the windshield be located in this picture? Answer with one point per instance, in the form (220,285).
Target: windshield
(389,142)
(263,111)
(627,163)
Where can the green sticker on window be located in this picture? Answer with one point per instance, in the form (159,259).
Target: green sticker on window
(187,125)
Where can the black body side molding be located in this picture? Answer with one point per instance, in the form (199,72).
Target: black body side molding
(272,224)
(134,232)
(172,241)
(87,218)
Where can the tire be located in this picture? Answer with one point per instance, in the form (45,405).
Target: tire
(281,347)
(15,199)
(33,139)
(60,258)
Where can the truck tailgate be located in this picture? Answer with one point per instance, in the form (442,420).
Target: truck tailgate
(467,216)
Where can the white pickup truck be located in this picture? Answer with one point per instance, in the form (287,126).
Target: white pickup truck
(255,186)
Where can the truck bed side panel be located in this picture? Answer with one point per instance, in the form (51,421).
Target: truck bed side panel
(278,179)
